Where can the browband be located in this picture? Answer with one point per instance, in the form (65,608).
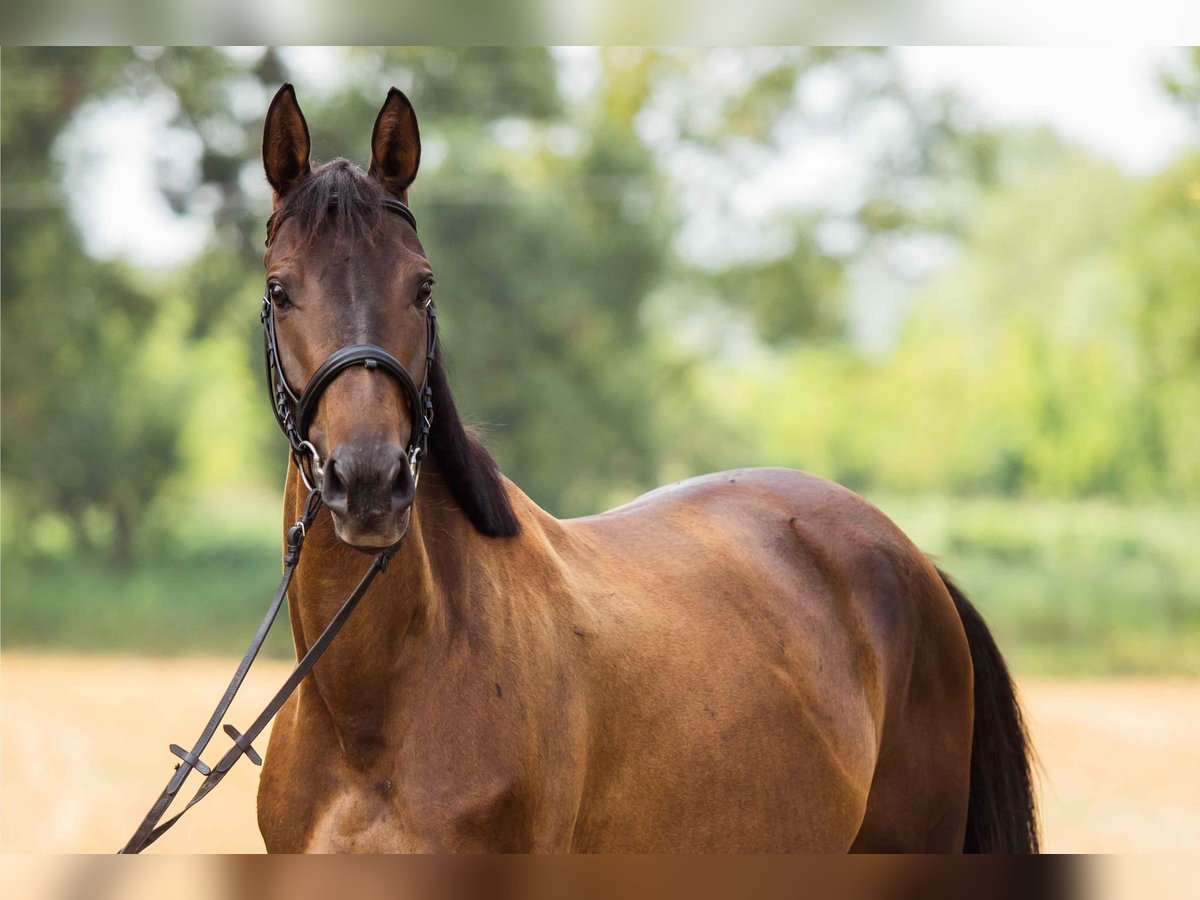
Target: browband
(397,207)
(389,203)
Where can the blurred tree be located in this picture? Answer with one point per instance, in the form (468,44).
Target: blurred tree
(538,232)
(721,118)
(1034,385)
(576,233)
(551,220)
(1181,80)
(86,431)
(1162,256)
(1066,365)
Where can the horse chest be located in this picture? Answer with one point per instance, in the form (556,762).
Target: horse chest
(357,819)
(446,791)
(422,812)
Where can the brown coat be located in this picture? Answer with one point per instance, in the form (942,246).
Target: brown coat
(755,660)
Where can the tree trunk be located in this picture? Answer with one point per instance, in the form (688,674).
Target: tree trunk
(121,552)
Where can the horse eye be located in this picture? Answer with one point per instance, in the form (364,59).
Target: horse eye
(426,291)
(278,295)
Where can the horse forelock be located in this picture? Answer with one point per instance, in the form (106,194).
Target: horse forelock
(338,201)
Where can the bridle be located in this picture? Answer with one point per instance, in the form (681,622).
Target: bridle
(294,414)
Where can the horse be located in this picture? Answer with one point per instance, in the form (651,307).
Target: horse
(755,660)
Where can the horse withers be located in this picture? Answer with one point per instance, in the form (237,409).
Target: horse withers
(755,660)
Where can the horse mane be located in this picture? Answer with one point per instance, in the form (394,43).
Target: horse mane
(464,463)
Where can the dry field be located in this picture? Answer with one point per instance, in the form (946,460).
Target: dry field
(84,753)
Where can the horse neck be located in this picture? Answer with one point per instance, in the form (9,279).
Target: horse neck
(407,618)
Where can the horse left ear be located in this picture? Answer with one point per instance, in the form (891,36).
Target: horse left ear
(395,144)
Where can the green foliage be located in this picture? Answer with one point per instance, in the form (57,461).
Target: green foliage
(543,254)
(799,293)
(1058,357)
(1165,323)
(203,590)
(543,266)
(1055,364)
(83,436)
(1071,587)
(1182,80)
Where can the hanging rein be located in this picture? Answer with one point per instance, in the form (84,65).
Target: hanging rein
(295,414)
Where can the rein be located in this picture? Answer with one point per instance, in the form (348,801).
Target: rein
(294,415)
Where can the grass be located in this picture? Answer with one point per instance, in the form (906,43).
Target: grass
(1070,588)
(202,589)
(205,600)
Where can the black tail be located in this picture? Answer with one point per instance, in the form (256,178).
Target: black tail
(1001,812)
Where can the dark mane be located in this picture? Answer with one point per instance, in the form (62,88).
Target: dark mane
(353,217)
(466,466)
(468,469)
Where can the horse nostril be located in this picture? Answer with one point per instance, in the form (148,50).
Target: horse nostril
(333,488)
(403,486)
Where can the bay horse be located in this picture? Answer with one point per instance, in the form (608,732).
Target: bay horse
(753,660)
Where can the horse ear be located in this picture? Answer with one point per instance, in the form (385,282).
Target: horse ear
(395,144)
(285,142)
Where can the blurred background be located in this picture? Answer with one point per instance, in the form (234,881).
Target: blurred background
(962,282)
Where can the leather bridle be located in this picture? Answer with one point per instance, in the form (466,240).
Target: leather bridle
(294,414)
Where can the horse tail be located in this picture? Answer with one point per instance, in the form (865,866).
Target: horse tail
(1001,811)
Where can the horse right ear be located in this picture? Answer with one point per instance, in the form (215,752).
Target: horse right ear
(285,142)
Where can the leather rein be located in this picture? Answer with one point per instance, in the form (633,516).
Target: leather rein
(294,414)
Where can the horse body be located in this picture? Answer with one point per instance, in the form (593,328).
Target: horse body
(730,663)
(752,660)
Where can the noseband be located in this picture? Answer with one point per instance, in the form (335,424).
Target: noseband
(295,413)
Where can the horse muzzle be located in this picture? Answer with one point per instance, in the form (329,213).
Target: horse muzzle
(369,489)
